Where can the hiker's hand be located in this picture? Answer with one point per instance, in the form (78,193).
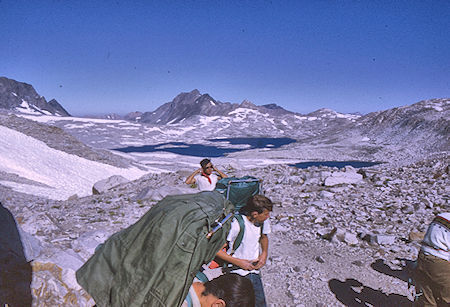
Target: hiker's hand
(245,264)
(261,261)
(199,171)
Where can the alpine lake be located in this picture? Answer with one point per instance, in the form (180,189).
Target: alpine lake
(230,145)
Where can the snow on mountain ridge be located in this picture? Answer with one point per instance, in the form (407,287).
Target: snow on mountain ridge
(23,98)
(187,105)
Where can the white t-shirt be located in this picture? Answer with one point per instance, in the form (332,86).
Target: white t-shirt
(203,182)
(437,239)
(249,248)
(194,298)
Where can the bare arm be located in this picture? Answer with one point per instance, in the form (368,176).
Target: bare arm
(264,241)
(242,263)
(221,174)
(191,179)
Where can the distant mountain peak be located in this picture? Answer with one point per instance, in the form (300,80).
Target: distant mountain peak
(247,104)
(22,97)
(194,103)
(272,106)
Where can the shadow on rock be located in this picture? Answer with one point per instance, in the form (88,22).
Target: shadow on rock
(403,274)
(354,294)
(15,271)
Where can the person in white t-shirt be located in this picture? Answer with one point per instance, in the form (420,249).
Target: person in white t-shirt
(230,290)
(432,273)
(252,252)
(204,177)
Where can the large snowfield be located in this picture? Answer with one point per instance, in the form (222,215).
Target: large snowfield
(63,174)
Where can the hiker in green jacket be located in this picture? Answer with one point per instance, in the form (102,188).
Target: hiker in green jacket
(230,290)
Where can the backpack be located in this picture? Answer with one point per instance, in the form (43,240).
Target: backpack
(238,190)
(154,261)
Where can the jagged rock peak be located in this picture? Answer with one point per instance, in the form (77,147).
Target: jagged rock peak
(247,104)
(186,97)
(189,104)
(22,97)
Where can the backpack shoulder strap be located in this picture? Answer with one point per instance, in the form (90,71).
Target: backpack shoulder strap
(240,236)
(189,300)
(201,276)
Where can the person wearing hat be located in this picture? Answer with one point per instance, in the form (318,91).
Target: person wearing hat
(204,177)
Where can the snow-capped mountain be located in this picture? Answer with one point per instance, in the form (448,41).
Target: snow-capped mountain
(23,98)
(186,105)
(400,134)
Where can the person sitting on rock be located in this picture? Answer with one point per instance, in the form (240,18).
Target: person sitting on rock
(204,177)
(251,253)
(432,273)
(230,290)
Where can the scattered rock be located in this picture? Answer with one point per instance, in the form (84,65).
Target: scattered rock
(416,236)
(357,263)
(343,178)
(384,239)
(320,259)
(326,194)
(108,183)
(327,235)
(73,197)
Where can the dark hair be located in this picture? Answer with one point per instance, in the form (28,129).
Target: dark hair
(257,203)
(235,290)
(204,162)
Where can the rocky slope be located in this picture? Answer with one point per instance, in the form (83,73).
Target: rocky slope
(22,97)
(334,243)
(425,124)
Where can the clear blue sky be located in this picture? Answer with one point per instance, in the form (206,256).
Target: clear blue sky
(122,56)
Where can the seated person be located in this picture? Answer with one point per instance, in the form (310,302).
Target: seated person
(230,290)
(204,176)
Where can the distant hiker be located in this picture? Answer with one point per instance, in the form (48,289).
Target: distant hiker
(204,176)
(230,290)
(246,259)
(432,274)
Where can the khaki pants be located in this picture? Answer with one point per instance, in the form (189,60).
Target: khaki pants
(433,277)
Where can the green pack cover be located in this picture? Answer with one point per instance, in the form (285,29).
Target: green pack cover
(154,261)
(238,189)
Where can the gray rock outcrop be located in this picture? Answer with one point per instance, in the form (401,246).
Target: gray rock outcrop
(108,183)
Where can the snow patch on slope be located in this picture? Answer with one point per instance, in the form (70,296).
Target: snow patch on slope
(65,174)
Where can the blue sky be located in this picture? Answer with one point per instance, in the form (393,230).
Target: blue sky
(122,56)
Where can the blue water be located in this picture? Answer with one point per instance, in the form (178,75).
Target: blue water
(198,150)
(339,164)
